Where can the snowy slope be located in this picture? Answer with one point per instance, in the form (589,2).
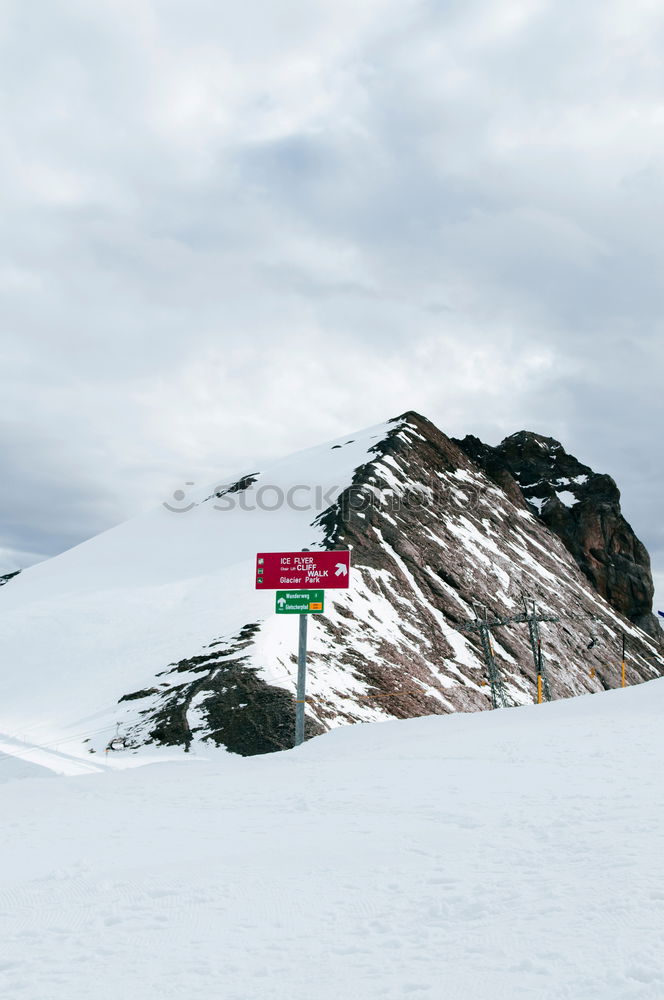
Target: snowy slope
(101,619)
(154,629)
(491,856)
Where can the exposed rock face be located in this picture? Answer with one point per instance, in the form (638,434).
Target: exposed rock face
(582,507)
(238,709)
(6,577)
(432,535)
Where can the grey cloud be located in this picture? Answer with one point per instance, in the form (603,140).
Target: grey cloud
(56,507)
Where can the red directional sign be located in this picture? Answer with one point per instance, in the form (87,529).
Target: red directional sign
(302,570)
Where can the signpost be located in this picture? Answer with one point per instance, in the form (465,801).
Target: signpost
(299,602)
(301,571)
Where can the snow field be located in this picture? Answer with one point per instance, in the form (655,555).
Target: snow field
(466,857)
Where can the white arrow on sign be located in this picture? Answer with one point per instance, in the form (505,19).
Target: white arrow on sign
(281,602)
(341,570)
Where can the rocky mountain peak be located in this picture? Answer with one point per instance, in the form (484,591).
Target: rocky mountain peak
(583,508)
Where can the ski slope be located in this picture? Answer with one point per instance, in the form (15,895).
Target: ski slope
(490,856)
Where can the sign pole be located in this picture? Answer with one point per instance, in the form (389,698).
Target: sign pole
(301,682)
(301,571)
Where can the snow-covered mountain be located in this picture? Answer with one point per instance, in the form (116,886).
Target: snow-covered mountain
(152,633)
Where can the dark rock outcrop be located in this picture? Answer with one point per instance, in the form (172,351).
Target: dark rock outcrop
(582,507)
(233,705)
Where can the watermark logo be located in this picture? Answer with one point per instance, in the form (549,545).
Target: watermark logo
(249,495)
(179,503)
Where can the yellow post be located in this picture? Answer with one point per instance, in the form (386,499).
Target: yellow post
(539,689)
(622,681)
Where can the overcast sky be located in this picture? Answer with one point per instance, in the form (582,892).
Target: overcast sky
(234,230)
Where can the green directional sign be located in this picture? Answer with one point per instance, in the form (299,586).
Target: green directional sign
(299,602)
